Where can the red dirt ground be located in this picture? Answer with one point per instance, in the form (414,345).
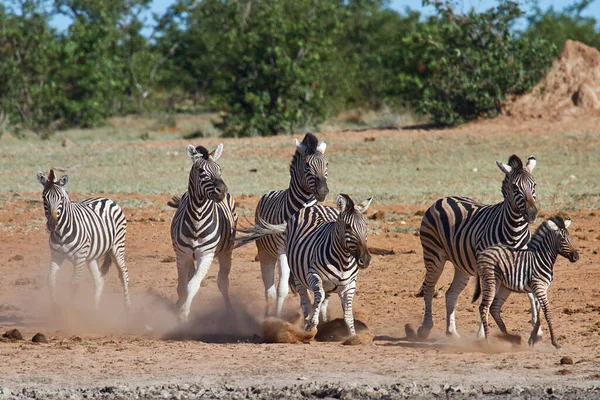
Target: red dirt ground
(148,348)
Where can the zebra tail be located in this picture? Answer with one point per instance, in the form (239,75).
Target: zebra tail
(105,265)
(477,291)
(259,230)
(174,202)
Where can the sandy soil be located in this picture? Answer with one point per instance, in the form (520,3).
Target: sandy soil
(147,354)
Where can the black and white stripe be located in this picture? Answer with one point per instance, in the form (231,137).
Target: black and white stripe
(325,249)
(503,269)
(203,227)
(456,229)
(308,184)
(83,233)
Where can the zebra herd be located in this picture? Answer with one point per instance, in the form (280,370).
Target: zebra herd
(321,248)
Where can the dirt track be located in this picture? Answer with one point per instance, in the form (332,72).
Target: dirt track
(217,355)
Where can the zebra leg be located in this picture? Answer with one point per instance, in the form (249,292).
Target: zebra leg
(223,277)
(283,286)
(534,309)
(316,285)
(98,282)
(533,338)
(78,266)
(267,270)
(118,256)
(347,296)
(499,301)
(434,264)
(185,271)
(55,264)
(304,300)
(456,287)
(488,292)
(193,285)
(542,298)
(324,317)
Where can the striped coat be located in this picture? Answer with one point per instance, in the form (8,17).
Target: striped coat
(503,269)
(83,233)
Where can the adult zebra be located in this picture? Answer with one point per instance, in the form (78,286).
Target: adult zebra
(503,269)
(203,227)
(456,229)
(325,248)
(83,233)
(308,184)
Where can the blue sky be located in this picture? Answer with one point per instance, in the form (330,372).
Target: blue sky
(159,6)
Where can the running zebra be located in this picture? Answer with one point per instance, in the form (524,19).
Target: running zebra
(203,227)
(83,233)
(456,229)
(325,249)
(503,269)
(308,184)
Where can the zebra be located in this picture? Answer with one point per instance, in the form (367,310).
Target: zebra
(83,233)
(503,269)
(308,185)
(203,227)
(456,229)
(325,248)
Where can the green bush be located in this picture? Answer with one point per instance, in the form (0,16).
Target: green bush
(470,62)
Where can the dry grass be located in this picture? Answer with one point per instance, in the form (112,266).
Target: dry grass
(403,167)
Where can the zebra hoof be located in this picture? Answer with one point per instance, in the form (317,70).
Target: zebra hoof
(410,332)
(423,332)
(557,346)
(532,341)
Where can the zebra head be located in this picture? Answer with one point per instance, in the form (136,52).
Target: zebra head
(519,186)
(53,196)
(205,175)
(564,245)
(354,228)
(310,166)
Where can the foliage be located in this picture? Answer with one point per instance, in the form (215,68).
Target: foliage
(558,26)
(468,63)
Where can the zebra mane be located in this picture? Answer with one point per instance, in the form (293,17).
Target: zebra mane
(203,151)
(557,219)
(311,142)
(515,162)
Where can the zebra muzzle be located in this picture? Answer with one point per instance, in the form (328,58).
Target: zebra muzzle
(574,256)
(321,190)
(363,259)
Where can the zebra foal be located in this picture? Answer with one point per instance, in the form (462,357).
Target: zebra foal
(503,269)
(83,233)
(456,229)
(308,184)
(203,227)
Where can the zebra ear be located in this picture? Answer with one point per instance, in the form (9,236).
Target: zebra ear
(552,225)
(63,180)
(504,167)
(216,153)
(364,206)
(530,164)
(192,152)
(567,223)
(321,147)
(341,202)
(42,178)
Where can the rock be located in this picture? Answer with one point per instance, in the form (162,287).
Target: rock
(13,334)
(566,360)
(67,143)
(39,338)
(378,215)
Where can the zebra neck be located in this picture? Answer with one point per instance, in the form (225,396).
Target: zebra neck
(297,197)
(65,221)
(514,227)
(543,246)
(198,206)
